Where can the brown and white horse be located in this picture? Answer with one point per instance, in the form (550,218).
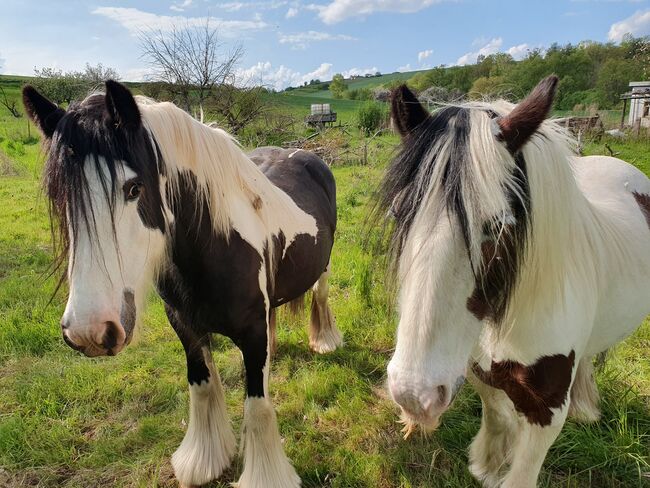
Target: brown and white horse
(146,194)
(518,262)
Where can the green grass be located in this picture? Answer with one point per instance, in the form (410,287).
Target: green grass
(69,421)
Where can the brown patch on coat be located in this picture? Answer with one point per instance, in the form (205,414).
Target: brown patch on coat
(497,278)
(257,203)
(644,202)
(535,389)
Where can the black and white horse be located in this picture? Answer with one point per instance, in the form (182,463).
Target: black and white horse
(143,194)
(518,262)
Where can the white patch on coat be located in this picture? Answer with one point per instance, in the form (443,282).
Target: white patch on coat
(103,264)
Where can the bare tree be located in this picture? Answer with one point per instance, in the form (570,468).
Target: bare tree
(237,106)
(9,105)
(191,60)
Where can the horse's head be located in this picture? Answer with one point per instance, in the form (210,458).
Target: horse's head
(103,180)
(460,197)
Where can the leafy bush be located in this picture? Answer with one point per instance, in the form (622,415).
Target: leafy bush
(370,116)
(359,94)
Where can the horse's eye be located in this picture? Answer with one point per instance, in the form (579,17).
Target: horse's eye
(132,190)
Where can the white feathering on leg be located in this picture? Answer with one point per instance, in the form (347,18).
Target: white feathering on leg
(209,443)
(265,464)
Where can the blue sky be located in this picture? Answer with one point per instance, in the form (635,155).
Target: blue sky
(290,41)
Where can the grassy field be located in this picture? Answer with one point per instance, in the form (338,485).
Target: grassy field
(69,421)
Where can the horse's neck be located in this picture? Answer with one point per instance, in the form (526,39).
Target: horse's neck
(237,193)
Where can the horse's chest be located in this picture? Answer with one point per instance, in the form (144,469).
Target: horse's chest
(535,389)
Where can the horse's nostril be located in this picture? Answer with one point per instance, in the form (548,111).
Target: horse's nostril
(109,340)
(65,324)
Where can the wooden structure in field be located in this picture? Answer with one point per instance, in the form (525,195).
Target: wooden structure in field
(581,125)
(639,101)
(321,115)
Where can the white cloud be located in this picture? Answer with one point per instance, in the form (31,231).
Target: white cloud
(301,40)
(338,10)
(237,6)
(359,72)
(138,74)
(292,12)
(136,21)
(637,25)
(182,6)
(405,68)
(2,64)
(263,73)
(519,52)
(422,55)
(491,47)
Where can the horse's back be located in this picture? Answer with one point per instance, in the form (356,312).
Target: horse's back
(310,184)
(603,174)
(303,176)
(621,193)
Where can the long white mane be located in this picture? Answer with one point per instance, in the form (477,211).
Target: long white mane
(570,240)
(223,171)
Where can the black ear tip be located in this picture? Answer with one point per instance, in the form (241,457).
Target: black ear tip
(29,93)
(115,86)
(403,91)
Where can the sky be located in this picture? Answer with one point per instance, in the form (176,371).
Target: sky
(288,42)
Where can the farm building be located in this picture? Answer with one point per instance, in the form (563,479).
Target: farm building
(639,101)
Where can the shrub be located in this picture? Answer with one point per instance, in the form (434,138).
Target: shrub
(370,117)
(359,94)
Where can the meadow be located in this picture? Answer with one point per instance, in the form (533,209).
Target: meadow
(70,421)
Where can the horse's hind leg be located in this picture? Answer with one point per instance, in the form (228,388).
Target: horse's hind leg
(584,393)
(209,443)
(323,335)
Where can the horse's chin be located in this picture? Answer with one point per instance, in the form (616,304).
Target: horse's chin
(412,424)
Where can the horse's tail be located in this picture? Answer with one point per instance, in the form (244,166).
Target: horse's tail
(296,306)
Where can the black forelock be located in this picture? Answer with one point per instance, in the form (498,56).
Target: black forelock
(407,178)
(86,135)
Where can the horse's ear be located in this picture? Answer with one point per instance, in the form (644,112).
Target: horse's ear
(121,106)
(520,124)
(44,113)
(406,110)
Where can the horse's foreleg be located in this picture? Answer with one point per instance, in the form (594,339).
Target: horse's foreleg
(525,410)
(529,450)
(265,464)
(209,443)
(323,335)
(490,449)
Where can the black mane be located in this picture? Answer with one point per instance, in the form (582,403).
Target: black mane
(405,186)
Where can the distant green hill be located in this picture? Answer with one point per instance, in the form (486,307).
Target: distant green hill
(317,91)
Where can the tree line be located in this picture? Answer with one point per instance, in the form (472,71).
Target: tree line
(591,73)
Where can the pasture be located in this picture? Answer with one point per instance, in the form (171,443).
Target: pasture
(70,421)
